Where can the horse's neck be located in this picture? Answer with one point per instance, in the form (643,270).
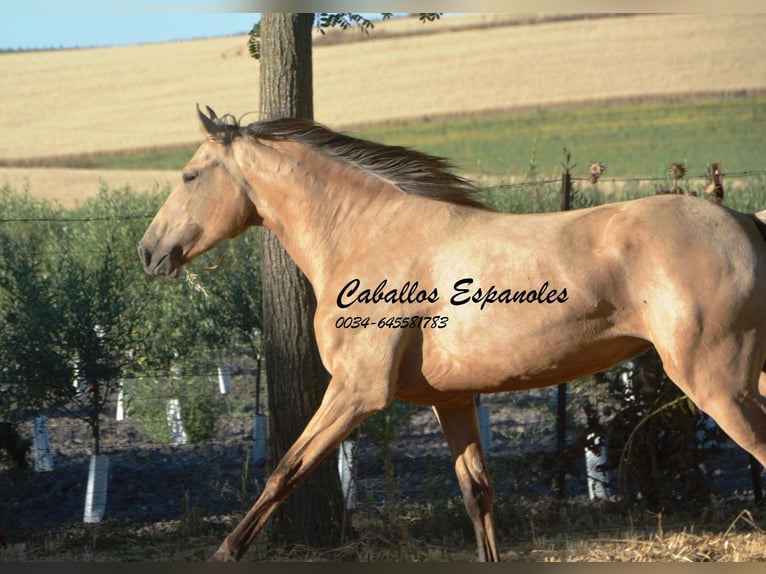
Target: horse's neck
(316,206)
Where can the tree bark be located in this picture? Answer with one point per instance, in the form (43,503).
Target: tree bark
(296,378)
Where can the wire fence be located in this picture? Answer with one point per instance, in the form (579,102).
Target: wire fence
(531,183)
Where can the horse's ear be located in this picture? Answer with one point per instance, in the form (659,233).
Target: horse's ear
(211,125)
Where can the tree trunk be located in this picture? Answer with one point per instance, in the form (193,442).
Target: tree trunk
(296,379)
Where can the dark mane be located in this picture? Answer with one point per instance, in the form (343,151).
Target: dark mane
(410,170)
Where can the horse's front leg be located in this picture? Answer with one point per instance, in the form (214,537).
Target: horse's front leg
(461,428)
(341,411)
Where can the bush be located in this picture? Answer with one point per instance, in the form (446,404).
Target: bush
(146,405)
(657,440)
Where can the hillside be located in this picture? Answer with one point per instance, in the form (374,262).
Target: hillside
(120,98)
(90,100)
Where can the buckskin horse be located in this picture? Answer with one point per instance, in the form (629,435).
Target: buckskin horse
(425,295)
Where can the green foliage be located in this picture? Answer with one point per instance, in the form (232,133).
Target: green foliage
(190,523)
(74,301)
(381,431)
(346,20)
(35,367)
(146,402)
(171,157)
(342,20)
(254,41)
(657,440)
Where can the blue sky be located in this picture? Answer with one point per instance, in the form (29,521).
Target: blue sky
(87,29)
(40,24)
(89,23)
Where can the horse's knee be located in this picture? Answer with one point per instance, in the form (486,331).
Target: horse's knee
(277,487)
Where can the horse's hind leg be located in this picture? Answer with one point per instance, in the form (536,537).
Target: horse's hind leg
(461,428)
(743,418)
(727,386)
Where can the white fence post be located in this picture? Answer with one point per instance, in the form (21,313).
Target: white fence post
(346,471)
(224,378)
(95,495)
(175,422)
(120,412)
(42,446)
(594,458)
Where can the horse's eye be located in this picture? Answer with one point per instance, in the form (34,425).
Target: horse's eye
(190,176)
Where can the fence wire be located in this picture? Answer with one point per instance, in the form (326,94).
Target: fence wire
(499,187)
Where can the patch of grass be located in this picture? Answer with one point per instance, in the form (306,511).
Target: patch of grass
(632,139)
(159,158)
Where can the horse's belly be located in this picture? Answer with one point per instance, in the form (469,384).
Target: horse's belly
(436,380)
(518,346)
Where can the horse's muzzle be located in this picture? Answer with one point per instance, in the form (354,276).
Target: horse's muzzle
(165,263)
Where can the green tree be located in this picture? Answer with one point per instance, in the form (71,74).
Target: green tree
(35,368)
(98,331)
(102,309)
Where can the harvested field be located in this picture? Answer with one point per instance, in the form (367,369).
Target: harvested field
(79,102)
(93,100)
(68,187)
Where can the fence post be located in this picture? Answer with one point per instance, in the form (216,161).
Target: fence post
(119,414)
(95,495)
(566,190)
(260,434)
(175,422)
(595,458)
(716,188)
(561,398)
(347,472)
(261,422)
(224,378)
(42,446)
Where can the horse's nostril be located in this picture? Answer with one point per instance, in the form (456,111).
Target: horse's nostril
(146,257)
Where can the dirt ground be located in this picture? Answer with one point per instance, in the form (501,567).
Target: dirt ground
(157,488)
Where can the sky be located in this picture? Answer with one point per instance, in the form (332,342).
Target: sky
(24,31)
(46,24)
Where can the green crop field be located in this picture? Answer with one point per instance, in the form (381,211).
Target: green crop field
(632,139)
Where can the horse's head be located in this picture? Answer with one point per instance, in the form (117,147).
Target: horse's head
(210,203)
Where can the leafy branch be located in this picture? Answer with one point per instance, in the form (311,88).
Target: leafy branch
(342,20)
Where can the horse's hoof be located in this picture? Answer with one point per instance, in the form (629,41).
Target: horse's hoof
(222,555)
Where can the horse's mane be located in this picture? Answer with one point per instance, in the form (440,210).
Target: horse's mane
(411,171)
